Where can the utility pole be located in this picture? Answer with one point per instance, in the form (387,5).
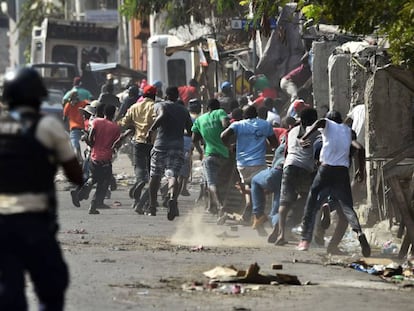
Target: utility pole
(123,31)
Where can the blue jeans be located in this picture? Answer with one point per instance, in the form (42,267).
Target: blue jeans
(28,243)
(336,179)
(141,153)
(269,179)
(75,136)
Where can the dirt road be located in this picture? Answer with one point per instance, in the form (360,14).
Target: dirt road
(120,260)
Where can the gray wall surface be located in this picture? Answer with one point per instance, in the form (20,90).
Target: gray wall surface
(320,79)
(339,83)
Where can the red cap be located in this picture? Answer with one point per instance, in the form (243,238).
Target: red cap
(299,105)
(150,90)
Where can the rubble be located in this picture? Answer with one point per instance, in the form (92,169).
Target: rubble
(251,275)
(387,269)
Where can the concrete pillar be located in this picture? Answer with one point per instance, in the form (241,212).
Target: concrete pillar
(388,125)
(339,83)
(358,79)
(320,79)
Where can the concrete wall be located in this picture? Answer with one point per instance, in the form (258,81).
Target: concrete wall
(389,118)
(320,79)
(388,127)
(339,83)
(358,80)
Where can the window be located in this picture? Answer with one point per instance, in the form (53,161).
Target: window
(65,53)
(176,72)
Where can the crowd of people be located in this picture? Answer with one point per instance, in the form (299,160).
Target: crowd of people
(308,176)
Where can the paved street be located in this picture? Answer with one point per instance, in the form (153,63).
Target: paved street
(120,260)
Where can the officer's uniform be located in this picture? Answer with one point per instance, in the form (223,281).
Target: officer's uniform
(31,146)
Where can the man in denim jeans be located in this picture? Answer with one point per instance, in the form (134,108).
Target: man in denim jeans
(140,116)
(269,180)
(252,136)
(337,142)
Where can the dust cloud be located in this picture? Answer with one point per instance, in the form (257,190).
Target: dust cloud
(198,228)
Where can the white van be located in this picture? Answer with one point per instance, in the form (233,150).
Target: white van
(174,70)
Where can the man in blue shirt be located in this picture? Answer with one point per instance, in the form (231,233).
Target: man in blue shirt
(251,134)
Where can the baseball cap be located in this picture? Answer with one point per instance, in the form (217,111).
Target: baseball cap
(157,84)
(226,85)
(299,105)
(150,90)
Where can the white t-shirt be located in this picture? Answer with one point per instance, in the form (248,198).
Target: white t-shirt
(51,133)
(272,118)
(297,155)
(358,122)
(336,144)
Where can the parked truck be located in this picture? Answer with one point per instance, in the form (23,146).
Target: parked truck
(174,70)
(74,42)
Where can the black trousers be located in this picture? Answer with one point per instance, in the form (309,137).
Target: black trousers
(336,178)
(28,244)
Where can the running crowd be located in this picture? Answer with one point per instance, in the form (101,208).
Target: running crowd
(308,176)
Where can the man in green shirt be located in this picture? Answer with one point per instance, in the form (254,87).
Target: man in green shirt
(208,127)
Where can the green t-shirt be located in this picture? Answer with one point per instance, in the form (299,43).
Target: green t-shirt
(209,126)
(261,83)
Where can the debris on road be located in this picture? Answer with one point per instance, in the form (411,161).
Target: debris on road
(77,231)
(116,204)
(116,248)
(387,269)
(252,275)
(225,235)
(106,260)
(277,266)
(130,285)
(198,248)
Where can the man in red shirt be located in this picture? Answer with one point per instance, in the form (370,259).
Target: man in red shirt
(187,92)
(297,78)
(104,133)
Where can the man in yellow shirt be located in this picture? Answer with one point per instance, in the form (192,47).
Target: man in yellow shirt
(140,117)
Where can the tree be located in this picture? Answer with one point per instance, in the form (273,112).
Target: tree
(32,14)
(181,12)
(391,19)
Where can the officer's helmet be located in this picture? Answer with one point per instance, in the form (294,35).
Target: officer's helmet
(24,87)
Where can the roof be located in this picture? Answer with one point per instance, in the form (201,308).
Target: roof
(116,69)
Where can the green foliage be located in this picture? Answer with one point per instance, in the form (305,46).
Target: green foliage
(179,11)
(392,19)
(401,36)
(33,13)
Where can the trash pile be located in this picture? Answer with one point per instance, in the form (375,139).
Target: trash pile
(387,269)
(242,280)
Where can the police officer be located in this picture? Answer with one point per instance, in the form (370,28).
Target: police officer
(31,147)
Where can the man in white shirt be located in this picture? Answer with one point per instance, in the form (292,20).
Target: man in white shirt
(333,173)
